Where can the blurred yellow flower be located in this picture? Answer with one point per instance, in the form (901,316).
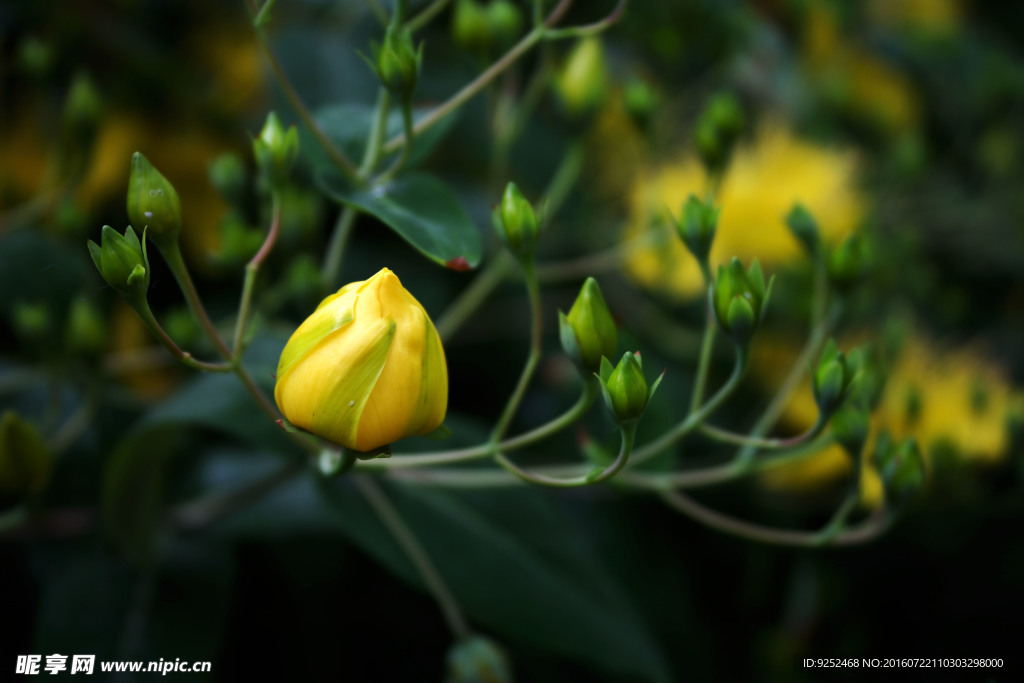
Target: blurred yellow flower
(955,397)
(854,78)
(760,187)
(932,17)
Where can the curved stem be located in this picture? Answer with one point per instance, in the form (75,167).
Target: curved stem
(488,75)
(694,419)
(172,254)
(151,323)
(628,434)
(871,528)
(796,374)
(717,474)
(251,269)
(336,247)
(336,155)
(410,136)
(426,15)
(589,29)
(473,295)
(762,443)
(704,364)
(533,293)
(484,450)
(408,542)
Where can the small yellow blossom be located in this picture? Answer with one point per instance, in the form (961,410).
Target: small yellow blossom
(853,77)
(762,184)
(956,397)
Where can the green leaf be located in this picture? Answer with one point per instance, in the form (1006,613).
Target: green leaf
(421,209)
(517,567)
(348,127)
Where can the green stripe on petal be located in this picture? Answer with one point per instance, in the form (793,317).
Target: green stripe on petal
(302,342)
(432,401)
(339,414)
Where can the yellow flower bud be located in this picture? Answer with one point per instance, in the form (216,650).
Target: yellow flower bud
(366,369)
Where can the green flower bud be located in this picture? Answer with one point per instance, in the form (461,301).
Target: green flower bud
(739,299)
(718,128)
(833,378)
(850,429)
(516,223)
(803,226)
(471,26)
(583,81)
(902,468)
(698,227)
(276,150)
(849,262)
(35,56)
(25,461)
(588,332)
(31,321)
(505,22)
(82,111)
(478,660)
(228,176)
(153,202)
(625,390)
(123,263)
(397,62)
(641,100)
(86,330)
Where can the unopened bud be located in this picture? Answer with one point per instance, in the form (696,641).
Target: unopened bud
(588,332)
(516,223)
(153,203)
(276,150)
(697,229)
(803,226)
(397,62)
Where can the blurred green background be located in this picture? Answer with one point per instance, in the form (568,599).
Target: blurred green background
(900,120)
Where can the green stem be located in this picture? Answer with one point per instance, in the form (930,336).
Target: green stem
(868,530)
(762,443)
(695,419)
(426,15)
(150,321)
(796,374)
(251,269)
(488,75)
(484,450)
(371,154)
(336,247)
(589,29)
(410,135)
(408,542)
(533,293)
(718,474)
(263,16)
(591,264)
(459,311)
(704,364)
(628,435)
(172,254)
(336,155)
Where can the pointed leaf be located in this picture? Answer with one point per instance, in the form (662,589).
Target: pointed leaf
(421,209)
